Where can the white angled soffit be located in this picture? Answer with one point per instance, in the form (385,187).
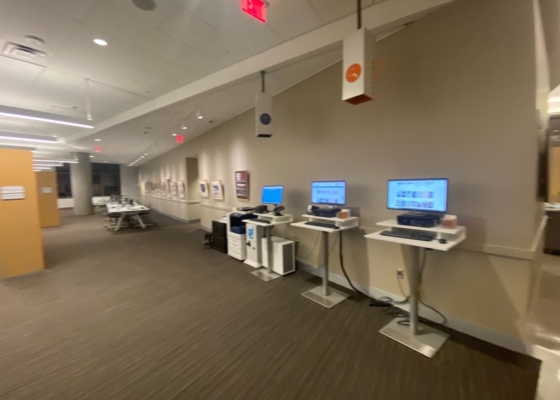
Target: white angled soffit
(378,18)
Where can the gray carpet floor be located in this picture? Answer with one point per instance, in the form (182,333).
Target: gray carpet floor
(152,315)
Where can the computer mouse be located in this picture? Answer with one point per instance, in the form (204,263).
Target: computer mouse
(443,241)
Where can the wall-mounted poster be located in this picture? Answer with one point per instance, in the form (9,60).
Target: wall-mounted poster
(203,185)
(174,190)
(217,190)
(242,185)
(182,189)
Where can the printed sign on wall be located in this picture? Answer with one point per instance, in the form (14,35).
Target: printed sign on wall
(242,185)
(13,193)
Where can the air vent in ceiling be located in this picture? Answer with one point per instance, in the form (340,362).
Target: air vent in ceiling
(24,53)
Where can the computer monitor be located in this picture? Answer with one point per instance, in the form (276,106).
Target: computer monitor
(272,195)
(328,192)
(425,195)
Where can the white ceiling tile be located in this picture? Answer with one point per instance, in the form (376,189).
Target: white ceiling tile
(71,67)
(55,79)
(16,76)
(80,47)
(293,18)
(119,82)
(33,19)
(199,64)
(189,29)
(222,15)
(60,100)
(164,45)
(164,10)
(254,38)
(225,51)
(5,7)
(111,101)
(106,17)
(77,9)
(331,10)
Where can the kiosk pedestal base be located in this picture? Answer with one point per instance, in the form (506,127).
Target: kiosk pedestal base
(265,275)
(427,340)
(318,296)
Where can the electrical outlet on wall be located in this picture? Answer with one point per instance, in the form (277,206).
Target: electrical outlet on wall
(400,273)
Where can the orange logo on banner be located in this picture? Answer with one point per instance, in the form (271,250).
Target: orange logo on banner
(353,73)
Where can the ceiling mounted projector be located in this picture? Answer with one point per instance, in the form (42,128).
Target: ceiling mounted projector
(146,5)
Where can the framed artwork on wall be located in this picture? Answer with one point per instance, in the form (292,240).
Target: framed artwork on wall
(181,189)
(217,190)
(148,188)
(174,189)
(203,185)
(168,187)
(242,185)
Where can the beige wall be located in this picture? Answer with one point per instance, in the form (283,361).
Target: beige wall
(457,101)
(160,170)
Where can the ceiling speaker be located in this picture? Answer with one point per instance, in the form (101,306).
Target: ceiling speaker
(146,5)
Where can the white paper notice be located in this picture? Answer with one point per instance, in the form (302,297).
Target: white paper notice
(12,192)
(46,190)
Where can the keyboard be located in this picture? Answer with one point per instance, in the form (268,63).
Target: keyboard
(322,225)
(414,235)
(262,221)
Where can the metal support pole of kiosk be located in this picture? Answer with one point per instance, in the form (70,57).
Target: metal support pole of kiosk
(325,295)
(422,338)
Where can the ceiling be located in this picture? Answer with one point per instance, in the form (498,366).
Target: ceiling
(148,55)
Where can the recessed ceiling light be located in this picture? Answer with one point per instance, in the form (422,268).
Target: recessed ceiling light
(146,154)
(100,42)
(174,134)
(91,156)
(200,117)
(199,113)
(184,127)
(97,140)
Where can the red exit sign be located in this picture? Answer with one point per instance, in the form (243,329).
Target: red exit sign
(255,8)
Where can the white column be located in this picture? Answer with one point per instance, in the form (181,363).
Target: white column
(82,186)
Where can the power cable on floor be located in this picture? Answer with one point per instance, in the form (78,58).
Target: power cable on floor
(381,302)
(406,321)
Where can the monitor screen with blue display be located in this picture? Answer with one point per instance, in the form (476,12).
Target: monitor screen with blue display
(331,193)
(272,195)
(426,195)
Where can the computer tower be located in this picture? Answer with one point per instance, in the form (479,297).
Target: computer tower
(283,253)
(219,236)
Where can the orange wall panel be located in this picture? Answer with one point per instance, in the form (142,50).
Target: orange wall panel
(49,215)
(21,242)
